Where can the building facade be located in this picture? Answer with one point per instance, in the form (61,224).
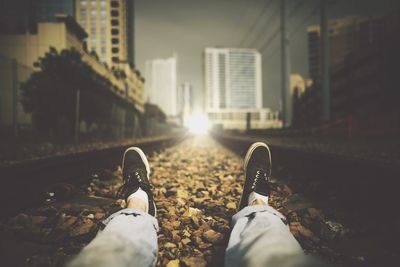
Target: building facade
(233,83)
(341,41)
(19,51)
(185,102)
(364,84)
(161,84)
(107,22)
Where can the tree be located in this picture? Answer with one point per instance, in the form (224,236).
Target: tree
(50,93)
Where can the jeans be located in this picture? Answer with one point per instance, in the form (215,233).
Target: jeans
(259,238)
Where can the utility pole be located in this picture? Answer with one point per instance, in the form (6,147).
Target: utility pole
(15,95)
(326,101)
(285,107)
(77,117)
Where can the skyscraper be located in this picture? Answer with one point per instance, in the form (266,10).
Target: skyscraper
(233,78)
(342,40)
(234,88)
(109,24)
(161,84)
(185,101)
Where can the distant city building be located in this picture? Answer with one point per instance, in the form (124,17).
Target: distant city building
(298,84)
(109,24)
(341,42)
(233,83)
(161,84)
(18,52)
(185,101)
(363,81)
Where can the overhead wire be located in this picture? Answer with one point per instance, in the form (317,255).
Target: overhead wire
(256,21)
(262,29)
(277,30)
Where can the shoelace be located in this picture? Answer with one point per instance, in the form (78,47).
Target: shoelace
(261,176)
(133,179)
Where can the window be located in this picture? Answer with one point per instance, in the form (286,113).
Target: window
(83,13)
(114,22)
(114,40)
(114,3)
(115,50)
(93,13)
(83,22)
(114,31)
(114,13)
(103,13)
(103,50)
(93,3)
(103,22)
(115,59)
(93,31)
(103,30)
(83,3)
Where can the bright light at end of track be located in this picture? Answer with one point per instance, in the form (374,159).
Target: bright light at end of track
(198,124)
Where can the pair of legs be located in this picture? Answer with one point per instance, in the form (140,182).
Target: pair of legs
(259,235)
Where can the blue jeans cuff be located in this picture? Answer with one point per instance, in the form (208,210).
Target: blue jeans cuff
(250,210)
(133,212)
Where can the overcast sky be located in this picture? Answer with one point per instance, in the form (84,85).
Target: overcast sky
(188,26)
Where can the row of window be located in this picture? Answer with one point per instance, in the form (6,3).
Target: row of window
(93,23)
(103,50)
(93,13)
(102,31)
(102,3)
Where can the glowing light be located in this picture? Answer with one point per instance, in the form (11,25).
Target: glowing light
(198,124)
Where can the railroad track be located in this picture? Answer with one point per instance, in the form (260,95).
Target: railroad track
(31,178)
(343,190)
(361,194)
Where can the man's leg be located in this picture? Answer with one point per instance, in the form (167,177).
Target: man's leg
(130,235)
(259,236)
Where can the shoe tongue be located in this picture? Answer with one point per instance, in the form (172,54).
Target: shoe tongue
(133,169)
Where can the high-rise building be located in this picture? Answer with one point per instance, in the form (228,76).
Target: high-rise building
(341,42)
(233,78)
(109,24)
(161,84)
(185,101)
(233,84)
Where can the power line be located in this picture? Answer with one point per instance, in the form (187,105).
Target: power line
(277,30)
(267,4)
(304,21)
(296,8)
(262,29)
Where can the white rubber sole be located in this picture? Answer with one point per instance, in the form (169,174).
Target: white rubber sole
(142,156)
(250,152)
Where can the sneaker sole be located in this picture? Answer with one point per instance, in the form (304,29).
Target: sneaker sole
(142,156)
(248,155)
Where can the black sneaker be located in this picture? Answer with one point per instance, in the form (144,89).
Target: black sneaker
(135,172)
(257,168)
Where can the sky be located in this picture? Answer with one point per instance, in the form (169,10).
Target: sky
(186,27)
